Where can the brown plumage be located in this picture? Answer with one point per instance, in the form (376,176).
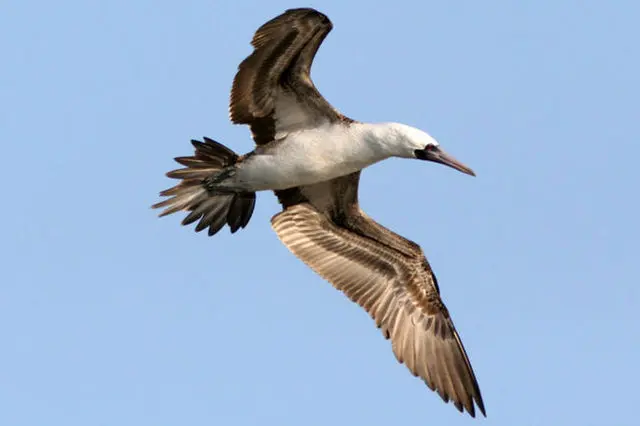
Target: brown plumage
(388,276)
(272,91)
(322,224)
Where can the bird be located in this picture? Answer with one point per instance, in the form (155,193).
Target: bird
(311,157)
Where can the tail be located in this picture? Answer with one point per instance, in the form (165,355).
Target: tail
(213,209)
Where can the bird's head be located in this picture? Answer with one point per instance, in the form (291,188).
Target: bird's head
(414,143)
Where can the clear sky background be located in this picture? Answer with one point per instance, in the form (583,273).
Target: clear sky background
(111,316)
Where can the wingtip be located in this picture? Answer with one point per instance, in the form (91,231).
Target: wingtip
(476,402)
(480,405)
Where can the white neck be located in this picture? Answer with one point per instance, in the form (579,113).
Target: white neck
(392,139)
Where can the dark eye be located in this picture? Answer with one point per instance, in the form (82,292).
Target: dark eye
(431,148)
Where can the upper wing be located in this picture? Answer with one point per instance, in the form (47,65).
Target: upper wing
(398,291)
(272,90)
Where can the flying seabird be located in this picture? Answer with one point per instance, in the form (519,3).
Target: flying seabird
(311,156)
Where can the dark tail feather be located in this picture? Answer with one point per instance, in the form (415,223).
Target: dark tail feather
(213,210)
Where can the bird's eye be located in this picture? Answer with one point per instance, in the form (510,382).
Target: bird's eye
(431,148)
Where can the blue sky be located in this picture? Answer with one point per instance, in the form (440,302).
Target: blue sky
(110,316)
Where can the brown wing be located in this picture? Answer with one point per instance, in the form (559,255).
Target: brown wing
(272,90)
(399,291)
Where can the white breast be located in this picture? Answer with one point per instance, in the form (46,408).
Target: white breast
(310,156)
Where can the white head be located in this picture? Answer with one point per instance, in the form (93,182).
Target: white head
(408,142)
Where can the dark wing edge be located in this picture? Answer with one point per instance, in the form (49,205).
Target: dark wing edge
(396,291)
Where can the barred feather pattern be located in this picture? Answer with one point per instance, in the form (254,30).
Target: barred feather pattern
(398,292)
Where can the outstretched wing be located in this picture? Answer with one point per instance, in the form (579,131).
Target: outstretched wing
(272,90)
(399,291)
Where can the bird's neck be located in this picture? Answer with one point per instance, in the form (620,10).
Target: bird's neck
(384,137)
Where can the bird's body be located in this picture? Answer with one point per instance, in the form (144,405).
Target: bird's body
(308,156)
(311,156)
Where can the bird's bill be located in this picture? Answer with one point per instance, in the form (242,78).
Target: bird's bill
(438,155)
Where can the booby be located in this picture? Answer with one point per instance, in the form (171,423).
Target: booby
(311,156)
